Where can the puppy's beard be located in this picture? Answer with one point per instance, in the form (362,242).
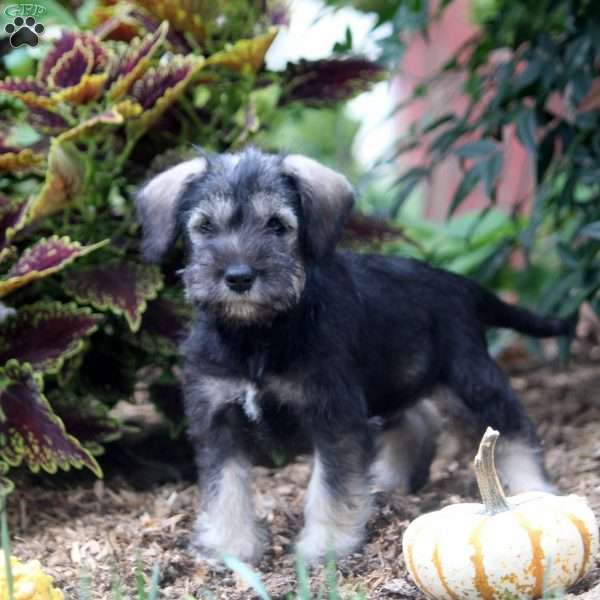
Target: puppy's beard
(259,305)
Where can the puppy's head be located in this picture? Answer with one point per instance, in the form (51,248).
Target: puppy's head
(253,223)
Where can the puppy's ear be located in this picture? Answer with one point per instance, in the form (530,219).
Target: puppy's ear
(326,197)
(157,203)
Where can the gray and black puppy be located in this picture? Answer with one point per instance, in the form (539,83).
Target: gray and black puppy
(295,340)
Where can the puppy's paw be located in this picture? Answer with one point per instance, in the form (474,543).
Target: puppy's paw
(211,543)
(316,544)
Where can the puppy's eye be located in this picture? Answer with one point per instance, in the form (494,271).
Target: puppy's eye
(275,224)
(205,226)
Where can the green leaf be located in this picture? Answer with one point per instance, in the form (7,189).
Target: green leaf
(470,179)
(477,149)
(526,129)
(591,230)
(407,184)
(490,169)
(252,578)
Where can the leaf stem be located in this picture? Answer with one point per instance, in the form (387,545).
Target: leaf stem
(6,547)
(489,485)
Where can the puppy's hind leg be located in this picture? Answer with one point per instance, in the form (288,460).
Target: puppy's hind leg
(406,448)
(486,392)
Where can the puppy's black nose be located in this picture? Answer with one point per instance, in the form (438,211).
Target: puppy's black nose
(239,278)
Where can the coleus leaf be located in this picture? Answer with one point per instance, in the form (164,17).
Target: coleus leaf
(129,66)
(63,183)
(87,419)
(245,54)
(96,57)
(46,334)
(71,66)
(46,121)
(163,326)
(77,74)
(13,215)
(30,431)
(330,80)
(47,256)
(29,90)
(87,90)
(114,116)
(159,87)
(183,15)
(19,160)
(121,287)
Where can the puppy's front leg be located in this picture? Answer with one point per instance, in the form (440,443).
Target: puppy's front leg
(227,523)
(338,502)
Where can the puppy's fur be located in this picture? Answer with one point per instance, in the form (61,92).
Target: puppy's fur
(296,341)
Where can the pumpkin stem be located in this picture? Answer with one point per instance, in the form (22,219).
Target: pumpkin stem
(489,485)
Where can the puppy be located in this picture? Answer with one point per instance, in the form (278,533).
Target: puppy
(294,340)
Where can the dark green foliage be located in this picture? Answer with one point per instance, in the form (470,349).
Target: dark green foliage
(533,66)
(80,128)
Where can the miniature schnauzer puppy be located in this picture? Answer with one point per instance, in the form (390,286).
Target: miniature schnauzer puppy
(295,341)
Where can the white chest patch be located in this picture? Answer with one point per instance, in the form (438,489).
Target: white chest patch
(250,403)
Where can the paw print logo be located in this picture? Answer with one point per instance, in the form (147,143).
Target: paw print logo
(24,32)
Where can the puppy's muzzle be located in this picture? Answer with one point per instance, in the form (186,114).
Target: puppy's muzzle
(239,277)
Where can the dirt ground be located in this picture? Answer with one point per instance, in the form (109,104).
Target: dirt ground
(102,527)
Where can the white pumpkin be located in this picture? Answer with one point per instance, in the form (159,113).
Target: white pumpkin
(513,548)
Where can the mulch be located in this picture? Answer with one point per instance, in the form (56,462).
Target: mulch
(101,529)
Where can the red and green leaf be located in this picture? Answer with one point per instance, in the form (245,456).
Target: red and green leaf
(114,117)
(47,121)
(245,55)
(123,288)
(13,215)
(46,334)
(29,90)
(318,82)
(30,431)
(163,326)
(159,87)
(47,256)
(19,160)
(129,66)
(71,66)
(183,15)
(94,53)
(86,419)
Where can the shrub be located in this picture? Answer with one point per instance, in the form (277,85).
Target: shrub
(148,80)
(533,67)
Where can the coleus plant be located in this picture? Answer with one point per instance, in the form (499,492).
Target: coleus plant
(76,137)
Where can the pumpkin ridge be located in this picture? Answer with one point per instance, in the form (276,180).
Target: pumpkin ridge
(413,569)
(537,562)
(437,563)
(586,540)
(481,581)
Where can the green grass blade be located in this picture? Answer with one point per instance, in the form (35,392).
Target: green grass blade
(140,580)
(248,575)
(6,548)
(85,584)
(116,585)
(303,580)
(154,582)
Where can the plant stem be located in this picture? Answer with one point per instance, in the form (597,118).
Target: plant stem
(489,485)
(6,547)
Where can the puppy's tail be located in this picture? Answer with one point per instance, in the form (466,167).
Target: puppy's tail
(494,312)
